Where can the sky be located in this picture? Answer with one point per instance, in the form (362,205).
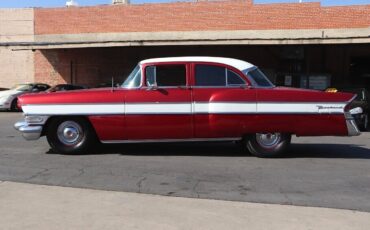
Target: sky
(61,3)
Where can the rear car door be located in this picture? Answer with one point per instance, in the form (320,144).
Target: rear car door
(224,105)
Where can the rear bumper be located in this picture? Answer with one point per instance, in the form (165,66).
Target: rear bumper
(28,132)
(352,128)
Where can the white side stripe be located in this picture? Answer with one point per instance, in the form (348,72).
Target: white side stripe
(186,108)
(158,108)
(224,107)
(82,109)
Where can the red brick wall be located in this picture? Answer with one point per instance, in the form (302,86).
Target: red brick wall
(83,66)
(192,16)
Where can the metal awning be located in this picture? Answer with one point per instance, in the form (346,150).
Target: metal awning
(239,37)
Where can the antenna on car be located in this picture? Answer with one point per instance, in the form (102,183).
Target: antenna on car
(112,84)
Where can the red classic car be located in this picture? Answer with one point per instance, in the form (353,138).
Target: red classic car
(187,99)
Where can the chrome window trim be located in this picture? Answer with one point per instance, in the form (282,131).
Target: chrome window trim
(227,79)
(253,82)
(141,80)
(166,87)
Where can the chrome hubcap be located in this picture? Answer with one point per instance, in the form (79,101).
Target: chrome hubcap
(268,140)
(69,133)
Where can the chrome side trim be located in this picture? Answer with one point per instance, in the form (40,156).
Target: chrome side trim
(42,119)
(352,128)
(170,140)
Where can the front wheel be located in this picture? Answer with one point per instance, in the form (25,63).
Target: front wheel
(70,135)
(14,106)
(267,144)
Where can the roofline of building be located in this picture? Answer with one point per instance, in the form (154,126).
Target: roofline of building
(224,37)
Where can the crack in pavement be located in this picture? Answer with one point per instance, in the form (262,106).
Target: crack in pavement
(195,187)
(81,172)
(139,183)
(37,174)
(289,201)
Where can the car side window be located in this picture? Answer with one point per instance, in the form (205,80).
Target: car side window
(41,87)
(234,79)
(166,75)
(217,76)
(209,75)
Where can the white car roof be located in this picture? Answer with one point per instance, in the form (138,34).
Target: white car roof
(238,64)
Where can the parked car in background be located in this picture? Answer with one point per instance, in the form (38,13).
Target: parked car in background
(103,85)
(107,84)
(9,98)
(65,87)
(187,99)
(362,101)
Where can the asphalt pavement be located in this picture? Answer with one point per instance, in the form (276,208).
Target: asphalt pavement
(331,172)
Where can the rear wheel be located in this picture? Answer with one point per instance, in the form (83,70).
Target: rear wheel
(71,135)
(365,126)
(267,144)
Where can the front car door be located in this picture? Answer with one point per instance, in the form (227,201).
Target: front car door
(161,108)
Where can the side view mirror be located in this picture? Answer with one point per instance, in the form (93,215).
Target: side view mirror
(247,86)
(153,86)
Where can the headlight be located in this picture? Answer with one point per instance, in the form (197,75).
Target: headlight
(357,110)
(6,97)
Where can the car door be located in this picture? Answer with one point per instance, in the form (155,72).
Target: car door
(161,108)
(224,105)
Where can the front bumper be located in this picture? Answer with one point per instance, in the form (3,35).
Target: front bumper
(352,128)
(29,132)
(4,106)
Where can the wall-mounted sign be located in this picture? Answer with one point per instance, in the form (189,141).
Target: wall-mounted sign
(288,80)
(319,82)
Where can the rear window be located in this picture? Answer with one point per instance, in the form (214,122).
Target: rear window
(217,76)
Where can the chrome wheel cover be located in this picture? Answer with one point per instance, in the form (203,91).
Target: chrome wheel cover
(268,140)
(70,133)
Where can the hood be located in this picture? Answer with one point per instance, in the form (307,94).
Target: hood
(10,92)
(103,95)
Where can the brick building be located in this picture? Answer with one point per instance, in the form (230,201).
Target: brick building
(296,44)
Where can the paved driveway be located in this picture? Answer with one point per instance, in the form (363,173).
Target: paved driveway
(324,172)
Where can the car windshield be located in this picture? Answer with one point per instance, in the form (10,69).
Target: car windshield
(22,87)
(258,78)
(134,79)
